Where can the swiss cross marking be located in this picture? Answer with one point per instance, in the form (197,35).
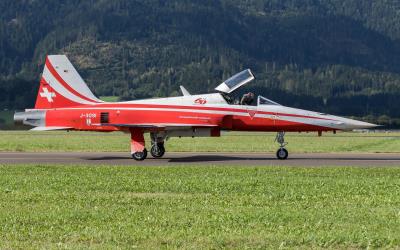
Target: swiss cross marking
(48,95)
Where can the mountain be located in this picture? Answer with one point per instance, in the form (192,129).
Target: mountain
(337,56)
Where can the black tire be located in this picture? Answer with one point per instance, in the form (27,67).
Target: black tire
(140,156)
(282,154)
(157,150)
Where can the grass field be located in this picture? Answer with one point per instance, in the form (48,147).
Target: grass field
(198,207)
(109,98)
(229,142)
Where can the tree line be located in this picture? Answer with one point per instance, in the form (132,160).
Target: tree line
(328,55)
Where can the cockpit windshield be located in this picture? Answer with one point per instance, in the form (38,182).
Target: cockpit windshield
(234,82)
(264,101)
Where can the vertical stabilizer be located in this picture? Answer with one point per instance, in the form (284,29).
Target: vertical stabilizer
(62,86)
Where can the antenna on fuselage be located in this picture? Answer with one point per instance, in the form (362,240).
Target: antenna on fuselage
(184,91)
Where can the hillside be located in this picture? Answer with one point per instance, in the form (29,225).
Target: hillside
(329,55)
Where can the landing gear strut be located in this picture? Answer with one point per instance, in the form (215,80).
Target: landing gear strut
(282,153)
(138,150)
(157,145)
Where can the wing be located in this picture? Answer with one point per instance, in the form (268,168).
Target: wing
(163,126)
(51,128)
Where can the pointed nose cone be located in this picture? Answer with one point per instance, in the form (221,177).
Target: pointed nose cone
(354,124)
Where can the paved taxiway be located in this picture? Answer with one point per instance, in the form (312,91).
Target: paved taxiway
(236,159)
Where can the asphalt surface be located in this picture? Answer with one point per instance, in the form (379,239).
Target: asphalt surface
(236,159)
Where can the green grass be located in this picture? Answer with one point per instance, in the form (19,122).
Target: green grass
(229,142)
(109,98)
(198,207)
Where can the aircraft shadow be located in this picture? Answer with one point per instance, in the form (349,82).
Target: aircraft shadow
(215,158)
(195,158)
(345,158)
(249,159)
(107,158)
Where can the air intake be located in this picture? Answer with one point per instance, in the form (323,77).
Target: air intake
(104,118)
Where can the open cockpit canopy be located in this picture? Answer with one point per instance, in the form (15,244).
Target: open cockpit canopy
(236,81)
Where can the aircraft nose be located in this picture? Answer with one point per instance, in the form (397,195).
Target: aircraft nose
(354,124)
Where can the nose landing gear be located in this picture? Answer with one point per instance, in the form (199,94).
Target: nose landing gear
(282,153)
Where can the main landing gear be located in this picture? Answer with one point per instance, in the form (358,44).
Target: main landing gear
(157,145)
(282,153)
(138,150)
(140,155)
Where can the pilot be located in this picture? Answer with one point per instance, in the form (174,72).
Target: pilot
(247,99)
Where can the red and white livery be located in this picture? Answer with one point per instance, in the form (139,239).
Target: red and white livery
(64,102)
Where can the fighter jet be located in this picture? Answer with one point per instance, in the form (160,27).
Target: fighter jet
(64,102)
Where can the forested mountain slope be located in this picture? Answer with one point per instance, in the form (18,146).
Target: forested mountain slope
(339,56)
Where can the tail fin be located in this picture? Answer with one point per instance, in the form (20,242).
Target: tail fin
(62,86)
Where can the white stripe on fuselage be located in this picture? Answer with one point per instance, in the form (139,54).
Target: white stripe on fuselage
(289,117)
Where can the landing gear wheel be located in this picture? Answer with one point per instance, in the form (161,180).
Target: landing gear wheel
(282,154)
(140,156)
(157,150)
